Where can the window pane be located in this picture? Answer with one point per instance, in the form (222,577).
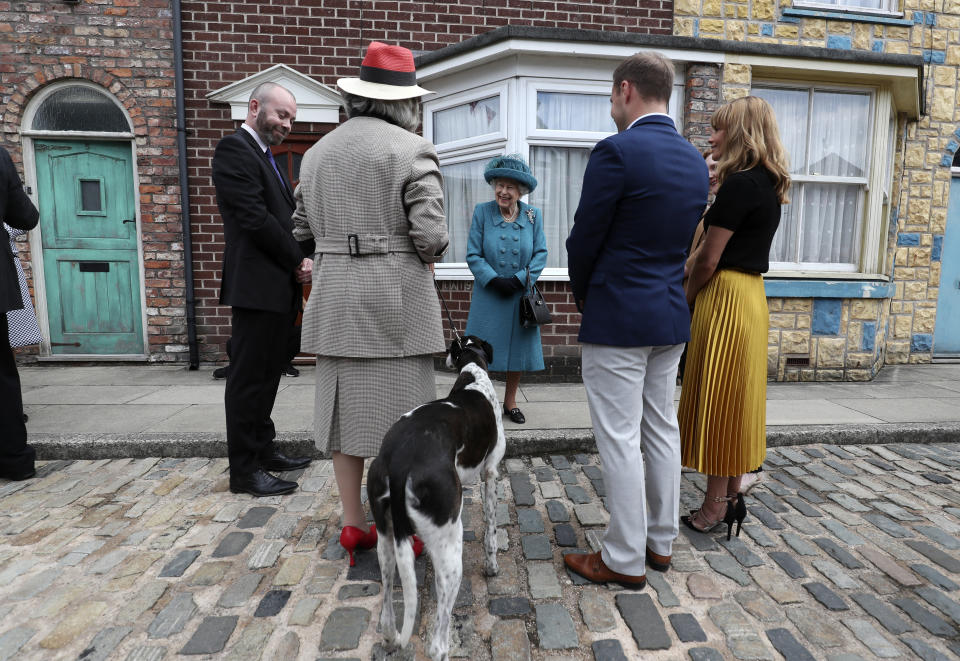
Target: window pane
(90,195)
(559,172)
(79,108)
(463,189)
(467,121)
(830,214)
(838,134)
(574,112)
(785,241)
(790,107)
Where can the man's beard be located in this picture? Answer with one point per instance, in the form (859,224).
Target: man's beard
(266,131)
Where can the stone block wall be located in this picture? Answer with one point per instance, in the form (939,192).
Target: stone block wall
(921,182)
(825,339)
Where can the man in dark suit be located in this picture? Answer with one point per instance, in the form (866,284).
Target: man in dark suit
(16,210)
(643,192)
(262,266)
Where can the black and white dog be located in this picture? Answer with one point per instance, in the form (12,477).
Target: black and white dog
(415,486)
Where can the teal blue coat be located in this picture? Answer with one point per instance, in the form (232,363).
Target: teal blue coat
(497,248)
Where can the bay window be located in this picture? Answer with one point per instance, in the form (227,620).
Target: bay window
(553,123)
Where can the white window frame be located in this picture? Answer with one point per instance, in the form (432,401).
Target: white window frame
(519,132)
(893,7)
(501,89)
(875,185)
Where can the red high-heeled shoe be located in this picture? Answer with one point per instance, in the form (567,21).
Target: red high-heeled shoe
(352,537)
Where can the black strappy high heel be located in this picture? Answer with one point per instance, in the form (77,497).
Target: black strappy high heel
(736,511)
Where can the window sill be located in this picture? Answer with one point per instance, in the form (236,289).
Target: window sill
(828,288)
(844,15)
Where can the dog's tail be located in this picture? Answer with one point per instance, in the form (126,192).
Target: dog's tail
(403,550)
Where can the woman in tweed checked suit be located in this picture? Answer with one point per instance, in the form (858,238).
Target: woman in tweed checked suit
(370,197)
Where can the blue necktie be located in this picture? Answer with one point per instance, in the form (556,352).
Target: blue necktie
(275,168)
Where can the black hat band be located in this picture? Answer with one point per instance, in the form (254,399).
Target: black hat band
(386,77)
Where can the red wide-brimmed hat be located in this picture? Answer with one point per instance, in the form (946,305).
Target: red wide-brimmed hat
(387,73)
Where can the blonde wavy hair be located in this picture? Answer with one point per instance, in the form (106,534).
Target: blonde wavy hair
(752,138)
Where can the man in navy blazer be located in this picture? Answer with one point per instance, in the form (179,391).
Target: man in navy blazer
(643,193)
(262,265)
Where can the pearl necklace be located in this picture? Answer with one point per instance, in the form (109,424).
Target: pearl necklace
(512,216)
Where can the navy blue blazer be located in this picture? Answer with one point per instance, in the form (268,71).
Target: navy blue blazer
(644,191)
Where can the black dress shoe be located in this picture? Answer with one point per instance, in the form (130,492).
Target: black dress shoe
(279,462)
(260,483)
(18,476)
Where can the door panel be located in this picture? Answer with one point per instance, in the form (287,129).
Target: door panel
(91,264)
(946,338)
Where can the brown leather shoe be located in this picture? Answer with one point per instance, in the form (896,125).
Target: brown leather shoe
(591,566)
(657,561)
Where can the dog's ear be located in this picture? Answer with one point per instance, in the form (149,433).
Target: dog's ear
(488,350)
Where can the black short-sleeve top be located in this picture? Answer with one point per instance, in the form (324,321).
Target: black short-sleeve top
(747,205)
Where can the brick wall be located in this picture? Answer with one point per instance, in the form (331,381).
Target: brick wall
(702,100)
(124,46)
(561,352)
(226,41)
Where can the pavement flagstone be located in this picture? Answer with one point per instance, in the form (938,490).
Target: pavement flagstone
(198,572)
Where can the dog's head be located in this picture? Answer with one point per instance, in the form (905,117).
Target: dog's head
(469,349)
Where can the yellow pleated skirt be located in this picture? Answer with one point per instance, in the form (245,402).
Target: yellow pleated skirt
(723,401)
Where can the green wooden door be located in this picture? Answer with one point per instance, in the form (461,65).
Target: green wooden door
(90,261)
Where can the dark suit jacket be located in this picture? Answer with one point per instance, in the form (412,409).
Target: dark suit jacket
(16,210)
(643,193)
(260,254)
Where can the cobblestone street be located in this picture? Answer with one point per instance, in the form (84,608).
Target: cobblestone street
(849,552)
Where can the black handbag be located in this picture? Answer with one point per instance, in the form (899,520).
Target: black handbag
(533,309)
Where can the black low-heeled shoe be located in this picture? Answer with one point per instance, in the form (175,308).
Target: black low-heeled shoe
(514,414)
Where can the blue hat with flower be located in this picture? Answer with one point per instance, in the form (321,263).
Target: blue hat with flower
(510,166)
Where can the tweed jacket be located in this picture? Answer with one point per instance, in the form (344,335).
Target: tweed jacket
(371,197)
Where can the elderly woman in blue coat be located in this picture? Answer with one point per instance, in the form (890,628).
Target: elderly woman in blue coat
(506,242)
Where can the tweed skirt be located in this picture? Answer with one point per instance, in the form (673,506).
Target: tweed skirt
(358,399)
(723,401)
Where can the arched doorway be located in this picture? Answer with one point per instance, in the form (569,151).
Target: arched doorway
(79,155)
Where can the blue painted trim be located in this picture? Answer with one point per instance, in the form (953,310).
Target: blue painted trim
(868,339)
(908,239)
(921,342)
(828,289)
(827,315)
(845,16)
(936,250)
(840,42)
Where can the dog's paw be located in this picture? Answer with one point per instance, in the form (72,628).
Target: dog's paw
(491,568)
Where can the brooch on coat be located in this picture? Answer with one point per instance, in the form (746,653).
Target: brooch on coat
(531,215)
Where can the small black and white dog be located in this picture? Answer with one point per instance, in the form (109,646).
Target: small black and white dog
(415,486)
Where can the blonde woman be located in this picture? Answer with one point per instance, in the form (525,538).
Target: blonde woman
(723,403)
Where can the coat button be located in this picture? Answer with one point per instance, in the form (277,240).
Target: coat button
(503,237)
(516,238)
(516,252)
(515,265)
(502,263)
(503,250)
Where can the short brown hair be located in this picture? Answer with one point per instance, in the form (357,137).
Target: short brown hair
(650,73)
